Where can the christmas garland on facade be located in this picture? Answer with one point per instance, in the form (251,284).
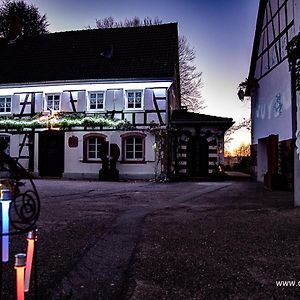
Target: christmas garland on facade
(61,121)
(294,58)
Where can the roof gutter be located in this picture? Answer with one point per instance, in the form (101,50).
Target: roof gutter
(85,81)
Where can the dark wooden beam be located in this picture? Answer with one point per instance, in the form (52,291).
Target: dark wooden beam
(24,104)
(157,110)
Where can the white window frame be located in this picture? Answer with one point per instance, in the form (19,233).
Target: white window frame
(96,158)
(134,158)
(46,102)
(142,100)
(89,101)
(5,112)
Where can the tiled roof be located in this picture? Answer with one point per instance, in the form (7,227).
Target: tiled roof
(185,117)
(115,53)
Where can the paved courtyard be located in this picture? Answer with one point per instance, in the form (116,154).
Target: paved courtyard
(146,240)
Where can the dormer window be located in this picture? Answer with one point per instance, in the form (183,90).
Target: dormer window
(134,99)
(5,104)
(96,101)
(53,102)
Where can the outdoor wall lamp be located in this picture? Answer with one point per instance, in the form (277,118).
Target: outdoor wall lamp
(241,94)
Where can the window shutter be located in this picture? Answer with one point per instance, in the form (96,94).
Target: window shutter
(119,100)
(65,102)
(81,101)
(148,99)
(109,100)
(15,104)
(39,99)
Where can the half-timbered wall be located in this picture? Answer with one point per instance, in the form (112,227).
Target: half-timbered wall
(272,104)
(272,107)
(278,29)
(28,101)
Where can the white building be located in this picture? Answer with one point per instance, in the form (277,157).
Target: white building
(84,104)
(272,86)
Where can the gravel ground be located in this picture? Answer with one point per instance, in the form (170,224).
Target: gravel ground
(233,244)
(141,240)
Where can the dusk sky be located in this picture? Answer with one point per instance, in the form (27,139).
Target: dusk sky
(221,32)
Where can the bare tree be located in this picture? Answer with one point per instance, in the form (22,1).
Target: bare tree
(110,22)
(242,150)
(245,123)
(26,16)
(190,78)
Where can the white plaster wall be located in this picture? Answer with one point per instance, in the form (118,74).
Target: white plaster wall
(136,171)
(297,157)
(296,180)
(14,145)
(262,160)
(276,85)
(297,15)
(36,153)
(75,167)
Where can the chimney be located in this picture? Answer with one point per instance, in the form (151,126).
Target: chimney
(15,28)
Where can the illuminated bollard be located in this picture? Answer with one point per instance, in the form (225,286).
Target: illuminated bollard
(31,238)
(20,262)
(5,203)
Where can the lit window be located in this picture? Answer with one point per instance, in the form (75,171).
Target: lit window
(96,101)
(5,104)
(133,146)
(53,102)
(134,100)
(92,146)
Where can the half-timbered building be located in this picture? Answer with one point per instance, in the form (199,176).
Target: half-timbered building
(272,86)
(83,104)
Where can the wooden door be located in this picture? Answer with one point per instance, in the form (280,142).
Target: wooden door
(51,153)
(197,157)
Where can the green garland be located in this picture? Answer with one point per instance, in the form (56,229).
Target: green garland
(62,122)
(294,58)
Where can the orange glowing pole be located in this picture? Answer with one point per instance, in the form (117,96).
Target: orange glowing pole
(31,238)
(20,269)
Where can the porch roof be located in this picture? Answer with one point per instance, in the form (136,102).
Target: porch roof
(183,117)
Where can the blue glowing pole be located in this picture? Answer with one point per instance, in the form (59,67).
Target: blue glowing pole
(5,203)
